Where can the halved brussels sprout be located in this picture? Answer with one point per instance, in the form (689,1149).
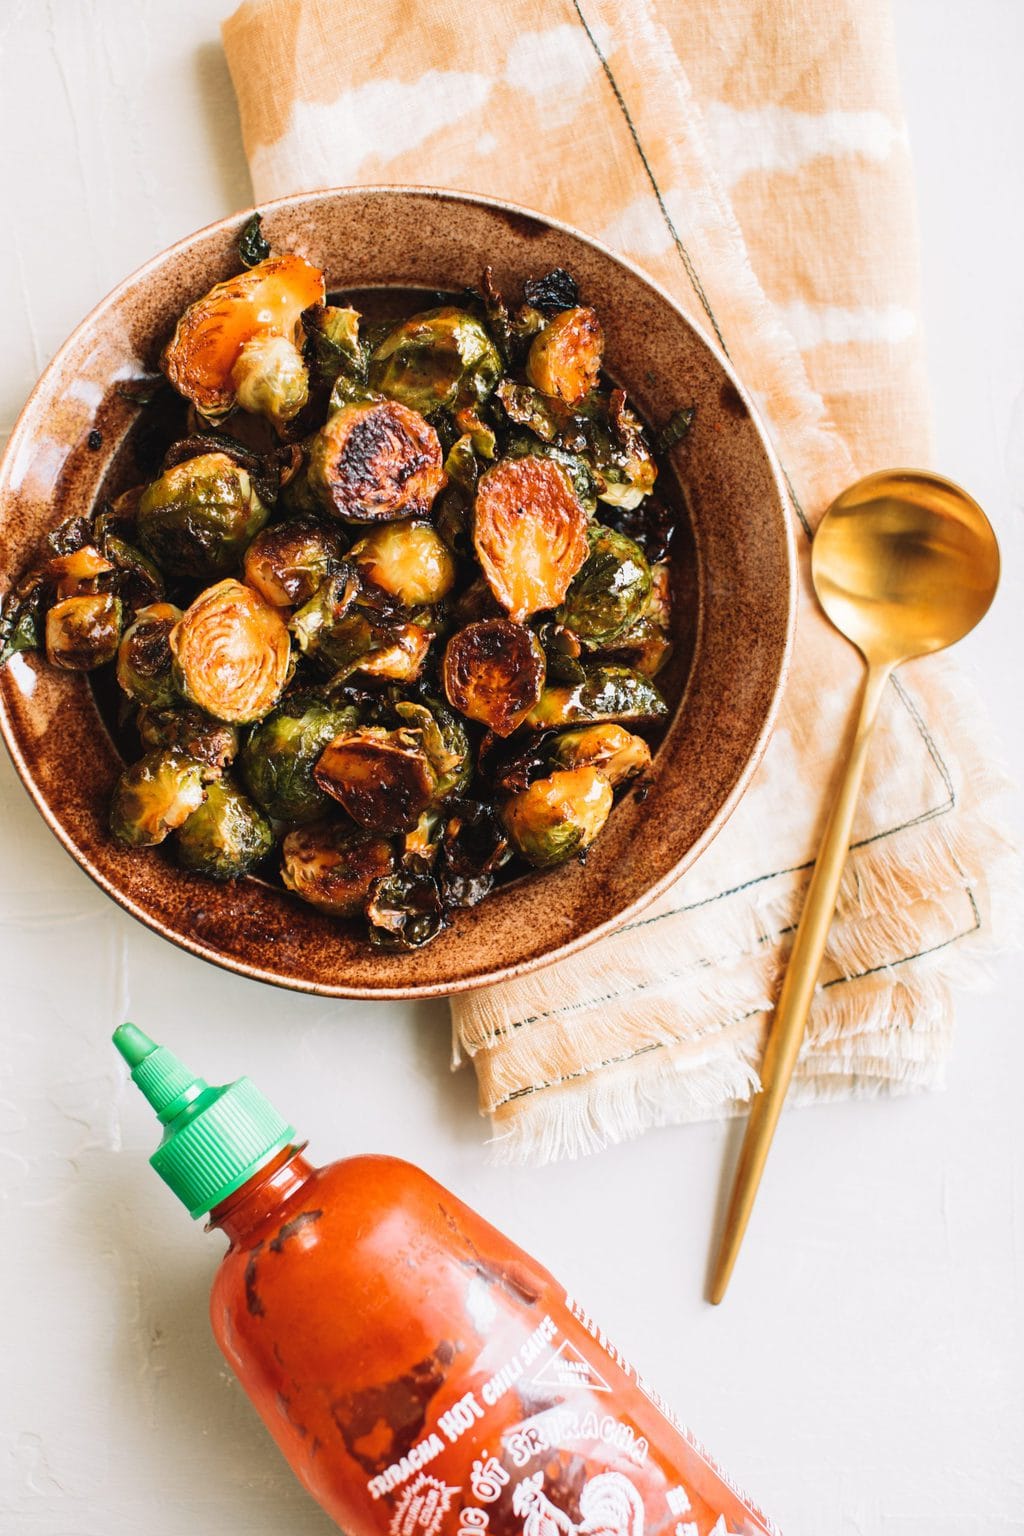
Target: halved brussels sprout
(288,562)
(565,359)
(268,299)
(270,379)
(442,357)
(647,645)
(530,533)
(445,743)
(199,516)
(615,751)
(494,672)
(609,693)
(408,559)
(144,663)
(154,796)
(404,911)
(610,592)
(375,462)
(83,632)
(332,865)
(279,757)
(231,652)
(82,573)
(621,454)
(333,347)
(211,743)
(384,779)
(226,837)
(558,816)
(581,475)
(401,660)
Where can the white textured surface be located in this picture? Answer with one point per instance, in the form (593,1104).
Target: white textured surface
(865,1376)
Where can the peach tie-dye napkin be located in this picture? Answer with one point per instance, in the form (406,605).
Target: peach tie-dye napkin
(752,157)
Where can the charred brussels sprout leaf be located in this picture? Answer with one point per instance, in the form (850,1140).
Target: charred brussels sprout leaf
(443,357)
(409,560)
(609,693)
(82,573)
(553,292)
(444,741)
(558,816)
(333,346)
(616,752)
(210,743)
(20,619)
(474,846)
(332,865)
(317,619)
(226,837)
(383,779)
(144,663)
(138,579)
(494,672)
(198,517)
(281,753)
(288,562)
(83,632)
(404,911)
(675,429)
(565,358)
(562,651)
(610,592)
(375,462)
(154,796)
(530,534)
(252,246)
(231,653)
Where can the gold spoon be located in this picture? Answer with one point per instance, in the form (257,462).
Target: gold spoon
(903,563)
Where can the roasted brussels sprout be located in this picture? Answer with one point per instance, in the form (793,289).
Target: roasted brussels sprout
(375,462)
(565,359)
(610,592)
(330,603)
(267,300)
(270,379)
(445,743)
(474,846)
(138,581)
(154,796)
(408,559)
(581,474)
(441,358)
(144,663)
(615,751)
(210,743)
(289,561)
(278,759)
(420,846)
(494,672)
(558,816)
(231,653)
(332,865)
(226,837)
(647,645)
(530,533)
(404,911)
(609,693)
(333,346)
(199,516)
(621,454)
(84,572)
(83,632)
(384,779)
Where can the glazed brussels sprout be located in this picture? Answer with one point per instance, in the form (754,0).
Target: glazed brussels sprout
(83,632)
(350,627)
(266,301)
(444,741)
(608,693)
(210,743)
(138,581)
(581,473)
(333,346)
(441,358)
(374,463)
(270,379)
(82,573)
(279,757)
(154,796)
(610,592)
(199,516)
(144,663)
(494,672)
(289,561)
(530,534)
(330,603)
(647,645)
(474,847)
(408,559)
(621,454)
(565,359)
(332,865)
(384,779)
(225,837)
(616,752)
(404,911)
(231,653)
(558,816)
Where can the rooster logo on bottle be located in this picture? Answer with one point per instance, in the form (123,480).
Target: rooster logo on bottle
(609,1506)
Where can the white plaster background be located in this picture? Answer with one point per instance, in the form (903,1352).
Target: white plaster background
(865,1375)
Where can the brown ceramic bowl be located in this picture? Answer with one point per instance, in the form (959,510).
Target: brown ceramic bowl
(735,560)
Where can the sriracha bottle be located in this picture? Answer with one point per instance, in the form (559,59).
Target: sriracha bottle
(422,1375)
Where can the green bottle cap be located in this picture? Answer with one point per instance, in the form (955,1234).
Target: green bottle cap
(214,1138)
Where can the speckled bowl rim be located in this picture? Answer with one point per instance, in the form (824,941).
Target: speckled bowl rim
(581,941)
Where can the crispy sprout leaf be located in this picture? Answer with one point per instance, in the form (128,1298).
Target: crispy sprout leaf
(675,429)
(556,290)
(252,247)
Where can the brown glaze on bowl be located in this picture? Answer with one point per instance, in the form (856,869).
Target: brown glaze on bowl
(735,631)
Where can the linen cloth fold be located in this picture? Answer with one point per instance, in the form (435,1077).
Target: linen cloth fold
(752,157)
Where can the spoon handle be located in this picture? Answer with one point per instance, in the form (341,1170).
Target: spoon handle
(787,1029)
